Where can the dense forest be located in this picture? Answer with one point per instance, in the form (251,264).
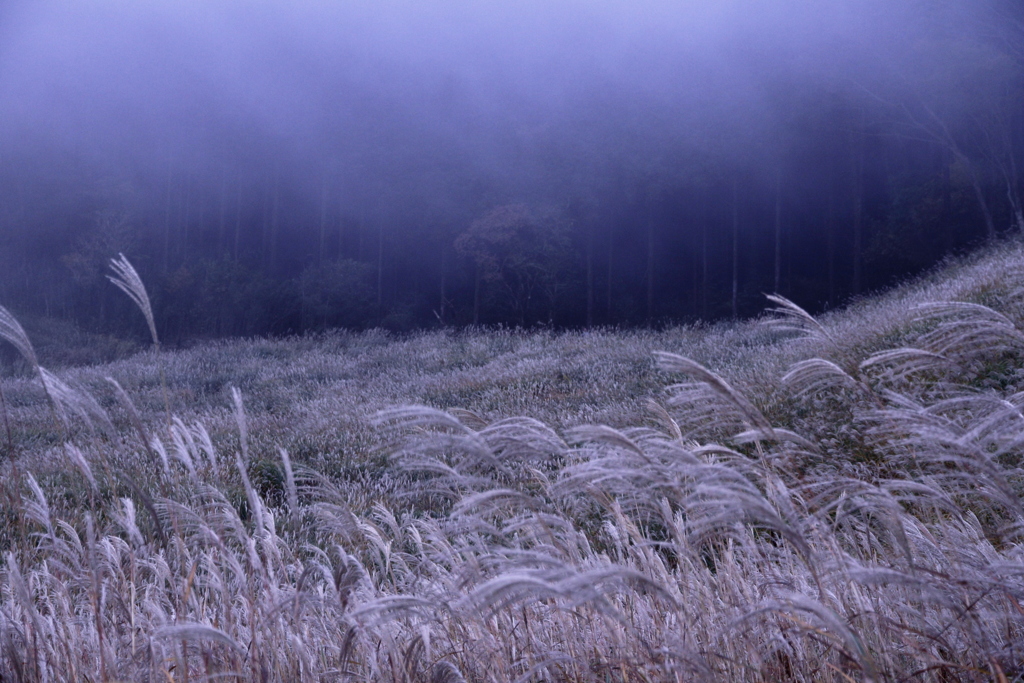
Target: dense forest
(406,197)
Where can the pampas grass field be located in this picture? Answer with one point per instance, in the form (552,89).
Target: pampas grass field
(790,499)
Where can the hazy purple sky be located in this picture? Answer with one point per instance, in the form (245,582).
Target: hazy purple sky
(389,96)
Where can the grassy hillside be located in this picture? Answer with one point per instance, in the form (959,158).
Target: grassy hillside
(793,499)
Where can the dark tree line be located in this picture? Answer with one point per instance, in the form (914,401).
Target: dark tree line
(853,190)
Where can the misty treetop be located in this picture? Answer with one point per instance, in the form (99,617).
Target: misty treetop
(522,252)
(273,168)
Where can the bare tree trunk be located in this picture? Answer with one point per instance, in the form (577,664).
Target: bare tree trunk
(339,236)
(735,247)
(704,267)
(476,296)
(1018,213)
(1010,178)
(830,227)
(323,222)
(787,284)
(979,193)
(202,236)
(238,217)
(940,131)
(360,237)
(167,220)
(275,220)
(186,218)
(380,269)
(778,231)
(1001,156)
(267,200)
(947,202)
(650,269)
(302,302)
(444,275)
(590,278)
(222,227)
(695,284)
(608,283)
(1013,181)
(857,161)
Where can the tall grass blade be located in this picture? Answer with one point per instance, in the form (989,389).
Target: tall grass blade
(128,281)
(12,331)
(243,429)
(793,318)
(671,362)
(194,631)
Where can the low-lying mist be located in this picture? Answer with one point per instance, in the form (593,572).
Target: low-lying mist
(701,153)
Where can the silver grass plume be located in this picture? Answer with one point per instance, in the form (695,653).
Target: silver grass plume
(255,504)
(195,631)
(792,318)
(782,436)
(446,672)
(77,401)
(21,591)
(835,627)
(815,375)
(37,509)
(671,362)
(607,435)
(289,481)
(565,584)
(129,282)
(898,364)
(243,431)
(13,332)
(468,418)
(133,415)
(76,456)
(967,331)
(58,393)
(665,420)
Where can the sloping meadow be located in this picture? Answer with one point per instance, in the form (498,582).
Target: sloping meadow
(800,499)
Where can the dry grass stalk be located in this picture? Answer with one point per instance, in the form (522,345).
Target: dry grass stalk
(12,331)
(128,281)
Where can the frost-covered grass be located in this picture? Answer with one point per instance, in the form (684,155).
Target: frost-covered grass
(797,499)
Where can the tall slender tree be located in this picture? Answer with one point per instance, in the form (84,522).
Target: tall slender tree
(857,196)
(735,244)
(778,231)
